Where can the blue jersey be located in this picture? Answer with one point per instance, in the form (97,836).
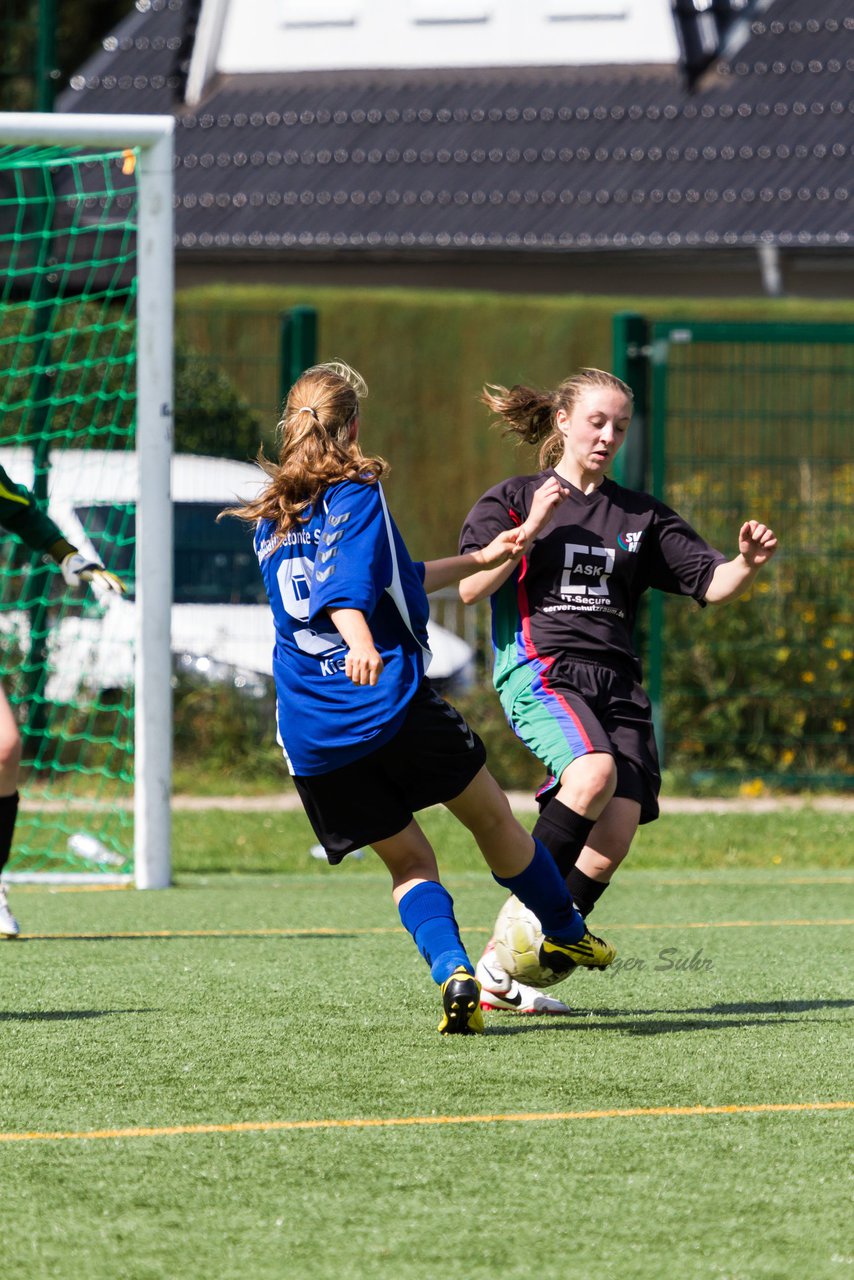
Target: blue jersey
(348,555)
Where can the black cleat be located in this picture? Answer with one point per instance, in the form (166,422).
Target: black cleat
(461,1015)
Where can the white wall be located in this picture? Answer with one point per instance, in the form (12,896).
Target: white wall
(302,35)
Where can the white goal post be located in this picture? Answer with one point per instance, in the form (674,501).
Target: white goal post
(150,138)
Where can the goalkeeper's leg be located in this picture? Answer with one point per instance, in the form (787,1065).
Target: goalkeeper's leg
(10,759)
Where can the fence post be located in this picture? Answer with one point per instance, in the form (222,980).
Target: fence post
(47,74)
(630,339)
(297,346)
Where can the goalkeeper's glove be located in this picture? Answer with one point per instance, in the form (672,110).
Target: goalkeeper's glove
(77,568)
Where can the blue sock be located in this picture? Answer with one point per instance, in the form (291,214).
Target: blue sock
(543,890)
(427,912)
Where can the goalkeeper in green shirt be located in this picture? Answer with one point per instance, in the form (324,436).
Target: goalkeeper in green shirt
(21,515)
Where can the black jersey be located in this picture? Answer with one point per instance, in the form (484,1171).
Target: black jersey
(577,591)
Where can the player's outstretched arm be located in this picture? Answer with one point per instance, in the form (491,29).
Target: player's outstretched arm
(756,545)
(77,568)
(549,496)
(363,664)
(504,551)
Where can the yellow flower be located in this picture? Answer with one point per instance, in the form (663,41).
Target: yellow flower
(764,587)
(808,677)
(786,757)
(779,633)
(838,726)
(753,788)
(829,642)
(776,859)
(808,615)
(831,664)
(782,655)
(846,654)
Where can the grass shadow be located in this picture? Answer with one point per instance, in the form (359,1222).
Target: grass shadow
(651,1022)
(65,1015)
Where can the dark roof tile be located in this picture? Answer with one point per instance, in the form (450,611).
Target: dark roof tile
(527,158)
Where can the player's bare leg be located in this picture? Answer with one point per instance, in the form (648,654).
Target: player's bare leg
(607,845)
(567,818)
(10,760)
(587,784)
(485,810)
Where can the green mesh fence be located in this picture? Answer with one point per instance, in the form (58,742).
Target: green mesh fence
(67,420)
(753,420)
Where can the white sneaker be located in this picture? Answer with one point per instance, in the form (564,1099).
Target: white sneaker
(502,994)
(9,927)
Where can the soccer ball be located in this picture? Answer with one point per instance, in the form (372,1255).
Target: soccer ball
(518,937)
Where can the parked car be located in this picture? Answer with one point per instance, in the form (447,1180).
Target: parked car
(221,623)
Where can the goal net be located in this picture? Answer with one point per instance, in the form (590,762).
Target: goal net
(85,404)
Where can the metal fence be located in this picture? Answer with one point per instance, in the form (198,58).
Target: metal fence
(28,76)
(733,420)
(741,421)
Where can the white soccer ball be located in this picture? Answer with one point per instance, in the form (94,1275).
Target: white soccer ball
(518,937)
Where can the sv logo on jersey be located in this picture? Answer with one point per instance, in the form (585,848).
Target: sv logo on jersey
(586,570)
(629,541)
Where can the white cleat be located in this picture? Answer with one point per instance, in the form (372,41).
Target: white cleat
(502,994)
(9,927)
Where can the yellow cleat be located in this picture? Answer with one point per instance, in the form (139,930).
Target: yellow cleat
(461,1015)
(589,951)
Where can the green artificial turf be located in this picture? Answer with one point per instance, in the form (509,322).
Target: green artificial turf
(232,840)
(275,998)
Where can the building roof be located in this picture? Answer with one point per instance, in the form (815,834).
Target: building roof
(552,160)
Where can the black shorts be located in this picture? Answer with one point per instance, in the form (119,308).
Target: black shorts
(431,759)
(591,707)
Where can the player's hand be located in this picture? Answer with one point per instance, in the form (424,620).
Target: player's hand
(509,545)
(756,543)
(363,665)
(546,500)
(77,568)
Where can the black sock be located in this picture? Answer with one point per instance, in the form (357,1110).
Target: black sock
(8,816)
(585,891)
(564,833)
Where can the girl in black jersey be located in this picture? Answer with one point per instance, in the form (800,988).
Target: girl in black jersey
(566,669)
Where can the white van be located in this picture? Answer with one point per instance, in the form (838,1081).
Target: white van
(221,622)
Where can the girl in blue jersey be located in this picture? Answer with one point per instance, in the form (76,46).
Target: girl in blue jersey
(566,669)
(366,738)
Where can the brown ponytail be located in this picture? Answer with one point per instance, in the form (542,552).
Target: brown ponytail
(530,414)
(316,450)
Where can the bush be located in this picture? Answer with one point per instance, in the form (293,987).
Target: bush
(224,737)
(211,417)
(765,685)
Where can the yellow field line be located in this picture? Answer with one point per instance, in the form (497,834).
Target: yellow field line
(72,888)
(519,1117)
(347,933)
